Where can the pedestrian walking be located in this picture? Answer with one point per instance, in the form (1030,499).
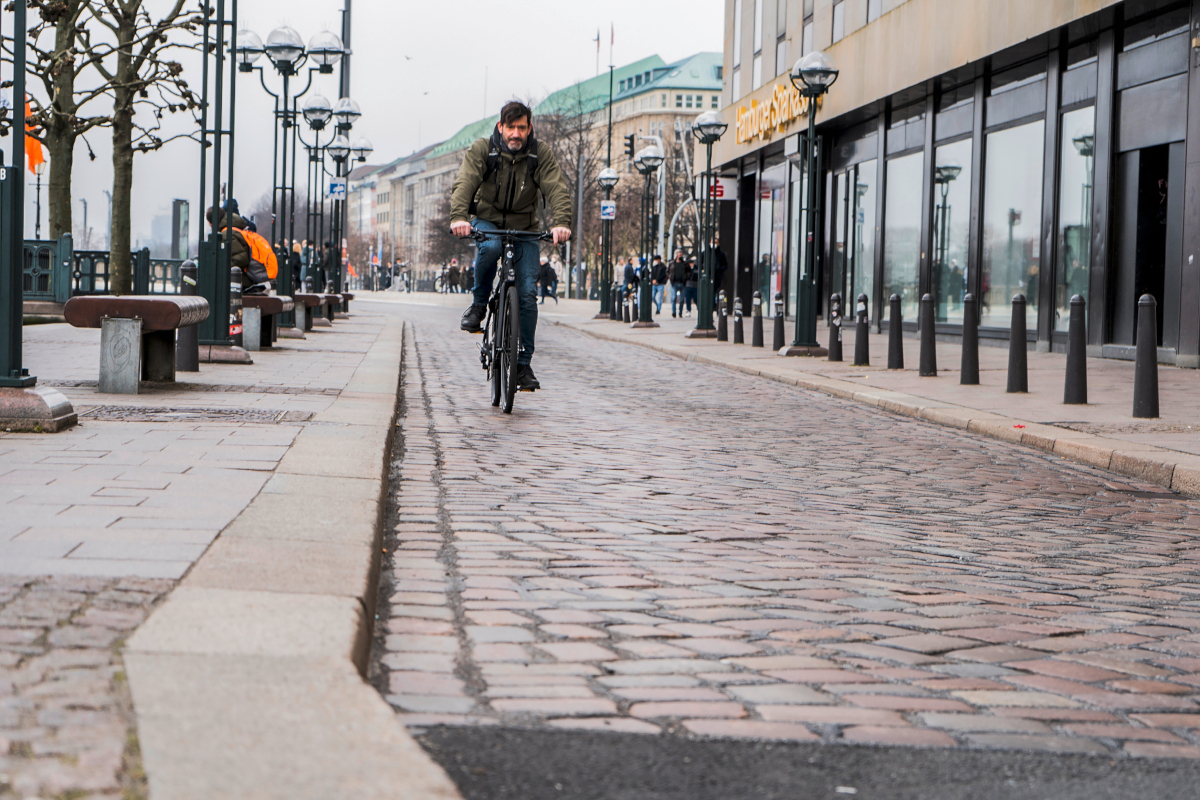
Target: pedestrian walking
(678,276)
(690,282)
(658,279)
(452,286)
(296,262)
(328,265)
(546,280)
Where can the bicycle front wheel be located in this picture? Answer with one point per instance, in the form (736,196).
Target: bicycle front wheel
(493,350)
(511,348)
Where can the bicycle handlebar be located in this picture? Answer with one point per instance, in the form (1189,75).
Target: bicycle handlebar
(479,235)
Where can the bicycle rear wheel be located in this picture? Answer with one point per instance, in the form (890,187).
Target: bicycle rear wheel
(511,348)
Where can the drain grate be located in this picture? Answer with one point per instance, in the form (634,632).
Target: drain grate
(153,414)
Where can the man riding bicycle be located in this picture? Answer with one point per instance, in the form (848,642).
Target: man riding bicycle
(498,185)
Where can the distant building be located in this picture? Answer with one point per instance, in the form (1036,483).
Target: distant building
(650,97)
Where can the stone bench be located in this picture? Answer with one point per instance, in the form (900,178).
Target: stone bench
(346,298)
(137,334)
(260,312)
(333,304)
(308,301)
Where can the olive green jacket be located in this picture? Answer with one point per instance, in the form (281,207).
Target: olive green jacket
(508,199)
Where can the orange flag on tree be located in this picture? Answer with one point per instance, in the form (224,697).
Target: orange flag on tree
(353,273)
(33,148)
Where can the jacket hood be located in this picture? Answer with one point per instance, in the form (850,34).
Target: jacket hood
(236,220)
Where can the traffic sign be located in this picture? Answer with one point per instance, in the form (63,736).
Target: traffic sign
(608,209)
(337,189)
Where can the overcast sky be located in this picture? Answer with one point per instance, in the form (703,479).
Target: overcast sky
(419,73)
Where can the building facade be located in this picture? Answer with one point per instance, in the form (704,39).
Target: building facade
(970,146)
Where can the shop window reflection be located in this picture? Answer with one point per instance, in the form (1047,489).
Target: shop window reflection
(772,220)
(1012,218)
(902,235)
(951,229)
(863,266)
(1074,212)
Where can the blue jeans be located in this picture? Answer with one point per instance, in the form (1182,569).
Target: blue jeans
(527,263)
(689,294)
(659,289)
(676,298)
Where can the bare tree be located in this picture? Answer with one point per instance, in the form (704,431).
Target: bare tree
(56,61)
(145,83)
(440,244)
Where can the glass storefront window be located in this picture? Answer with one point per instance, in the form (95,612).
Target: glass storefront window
(863,271)
(797,238)
(840,268)
(1012,209)
(772,231)
(951,229)
(902,235)
(1074,212)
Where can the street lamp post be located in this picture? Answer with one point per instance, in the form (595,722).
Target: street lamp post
(647,162)
(288,54)
(346,112)
(812,76)
(709,127)
(607,179)
(37,223)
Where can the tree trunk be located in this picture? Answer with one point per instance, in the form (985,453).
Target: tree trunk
(120,261)
(60,132)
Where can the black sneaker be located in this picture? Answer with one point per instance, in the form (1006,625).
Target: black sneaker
(525,380)
(472,318)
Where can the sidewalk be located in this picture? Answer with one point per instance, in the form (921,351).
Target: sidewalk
(260,486)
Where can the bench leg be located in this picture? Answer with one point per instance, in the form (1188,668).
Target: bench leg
(158,356)
(329,311)
(121,355)
(308,318)
(251,328)
(274,328)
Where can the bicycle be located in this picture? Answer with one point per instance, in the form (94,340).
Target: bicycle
(502,326)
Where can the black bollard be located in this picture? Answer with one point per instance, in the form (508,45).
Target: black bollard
(928,365)
(835,327)
(1145,370)
(895,332)
(614,308)
(970,342)
(862,345)
(235,306)
(628,303)
(722,318)
(1075,391)
(739,333)
(777,338)
(1018,369)
(187,340)
(756,323)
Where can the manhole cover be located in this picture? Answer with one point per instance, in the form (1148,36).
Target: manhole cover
(151,414)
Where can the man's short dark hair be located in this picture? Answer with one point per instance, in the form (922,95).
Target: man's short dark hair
(513,110)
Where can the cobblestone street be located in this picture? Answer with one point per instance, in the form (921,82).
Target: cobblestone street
(650,546)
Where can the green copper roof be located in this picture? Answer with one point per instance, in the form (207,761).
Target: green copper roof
(695,72)
(592,94)
(468,134)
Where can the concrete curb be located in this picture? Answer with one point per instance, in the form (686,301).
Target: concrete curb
(1170,469)
(248,681)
